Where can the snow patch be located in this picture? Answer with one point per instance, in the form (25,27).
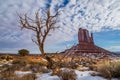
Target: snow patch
(81,75)
(1,65)
(22,73)
(47,76)
(86,75)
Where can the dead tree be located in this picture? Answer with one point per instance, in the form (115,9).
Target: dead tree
(41,26)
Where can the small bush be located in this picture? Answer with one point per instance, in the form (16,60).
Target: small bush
(71,65)
(42,63)
(20,62)
(92,67)
(67,74)
(38,68)
(6,57)
(109,69)
(56,71)
(23,52)
(8,74)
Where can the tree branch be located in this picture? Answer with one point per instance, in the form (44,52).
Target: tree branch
(41,25)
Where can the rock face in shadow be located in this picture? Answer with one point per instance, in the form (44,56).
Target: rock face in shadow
(86,46)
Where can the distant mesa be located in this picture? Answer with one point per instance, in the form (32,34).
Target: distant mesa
(86,46)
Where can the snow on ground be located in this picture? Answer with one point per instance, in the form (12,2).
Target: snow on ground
(85,75)
(47,76)
(22,73)
(81,75)
(1,65)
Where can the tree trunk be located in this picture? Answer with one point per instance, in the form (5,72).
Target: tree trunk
(41,48)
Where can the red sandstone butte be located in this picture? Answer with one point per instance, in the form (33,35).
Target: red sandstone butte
(86,46)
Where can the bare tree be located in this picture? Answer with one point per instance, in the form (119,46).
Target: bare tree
(41,25)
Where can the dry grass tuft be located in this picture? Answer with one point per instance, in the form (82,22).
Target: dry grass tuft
(109,69)
(67,74)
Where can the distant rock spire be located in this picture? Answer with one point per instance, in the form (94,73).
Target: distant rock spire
(84,37)
(92,40)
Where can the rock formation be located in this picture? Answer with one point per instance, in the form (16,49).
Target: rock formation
(86,46)
(84,37)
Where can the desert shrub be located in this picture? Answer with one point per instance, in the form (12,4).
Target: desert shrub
(67,74)
(41,63)
(109,69)
(25,64)
(105,70)
(38,68)
(4,68)
(73,65)
(6,57)
(10,68)
(16,67)
(116,69)
(20,62)
(61,64)
(56,71)
(92,67)
(7,74)
(23,52)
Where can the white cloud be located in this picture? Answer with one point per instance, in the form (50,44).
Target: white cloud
(114,48)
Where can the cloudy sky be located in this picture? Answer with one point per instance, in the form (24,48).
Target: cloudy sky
(102,17)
